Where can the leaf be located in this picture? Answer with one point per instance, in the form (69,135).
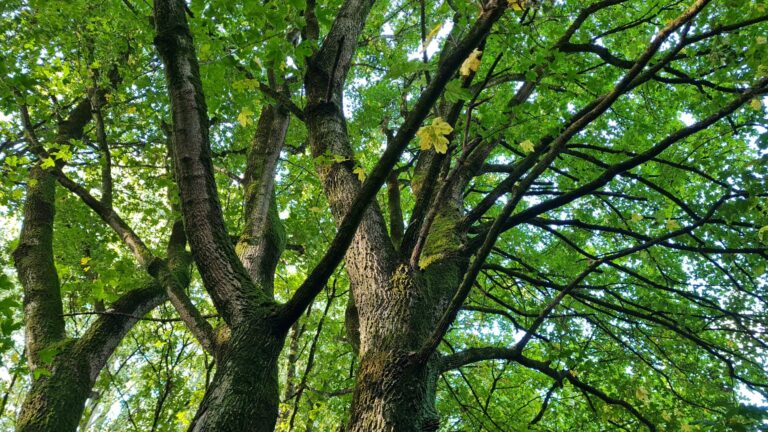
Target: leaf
(642,394)
(46,355)
(517,5)
(244,118)
(434,135)
(756,104)
(471,64)
(431,36)
(85,260)
(761,40)
(636,217)
(131,110)
(527,146)
(672,225)
(360,173)
(761,231)
(339,158)
(48,163)
(41,372)
(454,91)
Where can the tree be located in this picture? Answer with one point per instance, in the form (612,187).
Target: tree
(571,236)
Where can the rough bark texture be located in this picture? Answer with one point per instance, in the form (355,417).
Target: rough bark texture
(57,397)
(263,238)
(243,395)
(393,307)
(33,258)
(226,280)
(56,402)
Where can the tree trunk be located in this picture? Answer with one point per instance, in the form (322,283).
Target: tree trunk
(57,399)
(393,396)
(392,393)
(244,394)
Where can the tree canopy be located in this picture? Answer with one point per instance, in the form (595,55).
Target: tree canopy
(545,215)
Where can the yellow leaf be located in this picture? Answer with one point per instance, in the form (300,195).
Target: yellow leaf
(636,217)
(360,173)
(131,110)
(527,146)
(685,427)
(431,36)
(516,5)
(642,394)
(84,261)
(471,64)
(666,416)
(762,40)
(434,135)
(244,118)
(48,163)
(756,104)
(205,51)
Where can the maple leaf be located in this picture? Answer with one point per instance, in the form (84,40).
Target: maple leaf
(672,225)
(527,146)
(434,135)
(244,118)
(47,163)
(517,5)
(360,173)
(471,64)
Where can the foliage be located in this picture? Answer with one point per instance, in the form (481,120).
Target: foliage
(676,330)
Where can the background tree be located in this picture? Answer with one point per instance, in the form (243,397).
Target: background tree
(571,235)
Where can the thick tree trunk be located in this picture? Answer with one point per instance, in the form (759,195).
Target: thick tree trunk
(393,396)
(392,393)
(244,394)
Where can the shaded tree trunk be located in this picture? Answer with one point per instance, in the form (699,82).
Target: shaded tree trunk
(244,393)
(56,401)
(65,369)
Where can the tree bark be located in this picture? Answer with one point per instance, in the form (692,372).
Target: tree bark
(57,397)
(394,307)
(56,402)
(244,393)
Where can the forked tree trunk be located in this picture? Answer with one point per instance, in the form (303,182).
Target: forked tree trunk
(57,398)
